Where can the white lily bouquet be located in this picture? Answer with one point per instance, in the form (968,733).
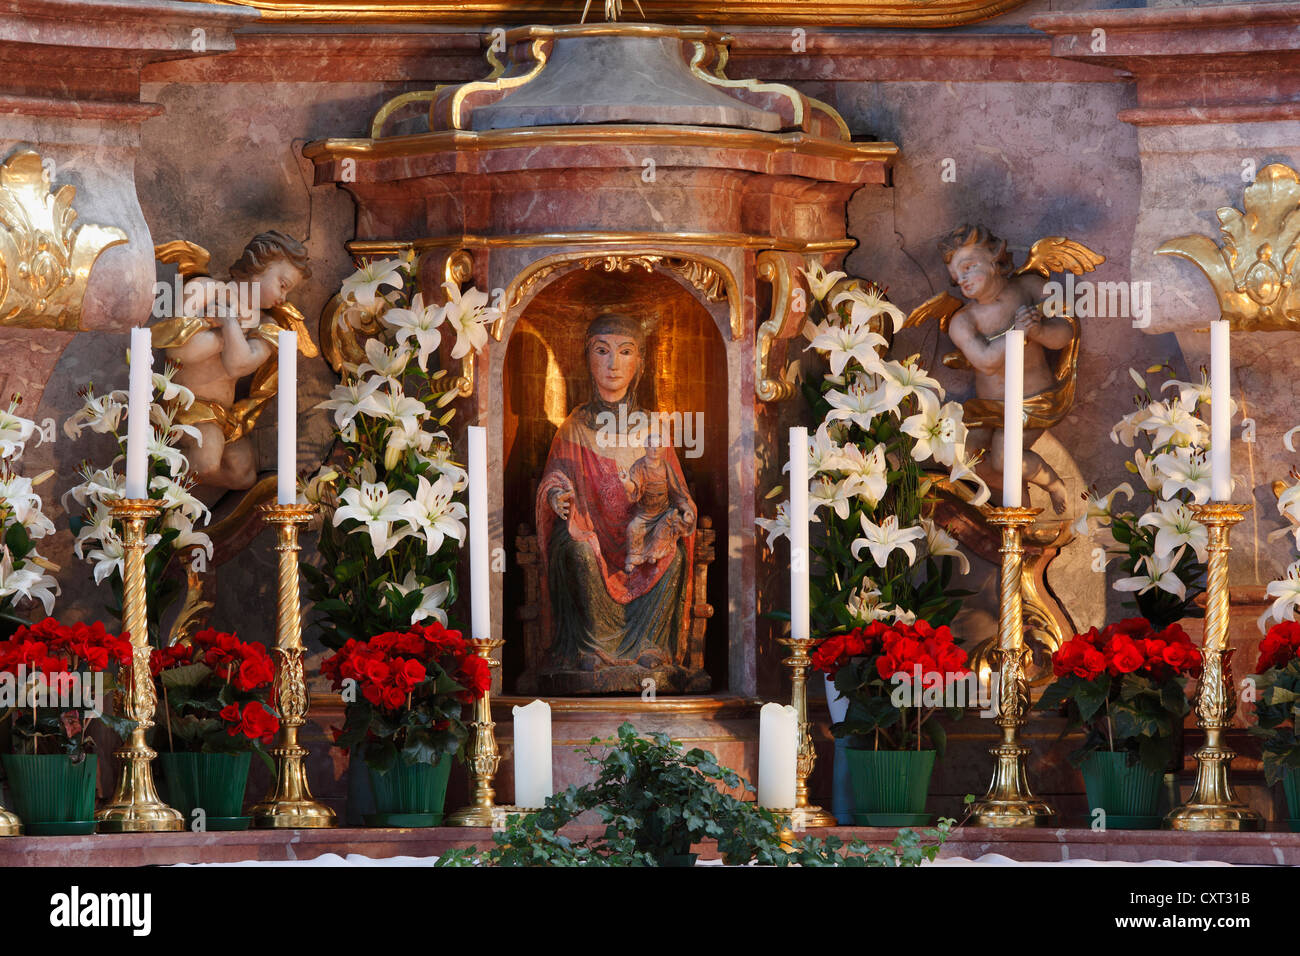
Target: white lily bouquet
(393,523)
(884,429)
(1285,591)
(24,575)
(171,540)
(1162,550)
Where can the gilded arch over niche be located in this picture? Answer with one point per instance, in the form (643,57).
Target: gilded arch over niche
(711,279)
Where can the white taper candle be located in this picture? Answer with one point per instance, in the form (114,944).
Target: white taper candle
(286,484)
(778,751)
(1013,420)
(481,615)
(799,626)
(1220,412)
(533,782)
(137,414)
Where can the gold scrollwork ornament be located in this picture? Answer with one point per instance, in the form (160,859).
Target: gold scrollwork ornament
(45,254)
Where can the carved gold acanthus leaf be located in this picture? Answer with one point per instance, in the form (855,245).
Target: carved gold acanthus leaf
(45,255)
(707,280)
(1255,272)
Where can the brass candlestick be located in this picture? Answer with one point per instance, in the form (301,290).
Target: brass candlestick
(1009,802)
(1213,805)
(289,804)
(481,753)
(135,807)
(803,815)
(10,825)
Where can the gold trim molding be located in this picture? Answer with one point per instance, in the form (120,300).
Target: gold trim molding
(711,278)
(45,254)
(771,13)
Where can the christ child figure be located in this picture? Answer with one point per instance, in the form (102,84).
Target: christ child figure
(997,302)
(663,511)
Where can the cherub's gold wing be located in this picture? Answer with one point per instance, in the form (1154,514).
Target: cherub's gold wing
(942,307)
(191,259)
(289,318)
(1059,254)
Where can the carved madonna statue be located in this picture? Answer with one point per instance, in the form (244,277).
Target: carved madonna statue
(616,539)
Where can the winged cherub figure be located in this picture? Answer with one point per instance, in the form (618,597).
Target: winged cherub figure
(223,331)
(999,298)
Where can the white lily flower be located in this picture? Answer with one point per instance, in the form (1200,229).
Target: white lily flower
(822,492)
(854,342)
(1286,592)
(438,456)
(820,282)
(779,526)
(1184,469)
(469,315)
(868,303)
(857,404)
(1100,506)
(110,555)
(162,450)
(939,433)
(314,491)
(963,469)
(101,414)
(169,390)
(1288,503)
(823,453)
(363,285)
(432,599)
(1159,575)
(15,431)
(940,544)
(394,405)
(1176,528)
(419,322)
(26,583)
(1127,428)
(177,498)
(866,473)
(433,511)
(885,538)
(401,437)
(377,509)
(1172,424)
(390,363)
(1145,469)
(864,603)
(348,401)
(905,379)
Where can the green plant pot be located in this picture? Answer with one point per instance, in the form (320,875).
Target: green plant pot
(1291,787)
(214,783)
(890,786)
(52,795)
(409,795)
(1128,794)
(677,859)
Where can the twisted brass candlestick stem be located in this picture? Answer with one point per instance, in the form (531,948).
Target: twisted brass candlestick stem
(135,807)
(289,804)
(1213,805)
(805,814)
(481,752)
(1009,802)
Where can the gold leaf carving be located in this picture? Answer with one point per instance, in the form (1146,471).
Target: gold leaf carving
(45,255)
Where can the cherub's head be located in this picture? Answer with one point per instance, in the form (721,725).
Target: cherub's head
(978,261)
(276,262)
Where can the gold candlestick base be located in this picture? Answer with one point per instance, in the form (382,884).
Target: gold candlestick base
(289,804)
(1213,805)
(481,752)
(135,807)
(808,815)
(1009,802)
(10,825)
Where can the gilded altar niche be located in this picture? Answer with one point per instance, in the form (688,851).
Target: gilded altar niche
(663,633)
